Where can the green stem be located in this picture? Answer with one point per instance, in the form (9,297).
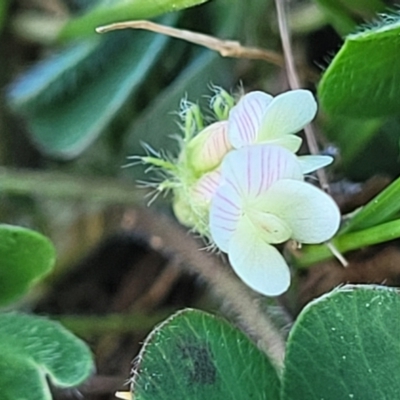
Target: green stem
(312,254)
(383,207)
(59,185)
(86,326)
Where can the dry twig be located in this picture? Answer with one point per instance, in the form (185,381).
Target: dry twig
(227,48)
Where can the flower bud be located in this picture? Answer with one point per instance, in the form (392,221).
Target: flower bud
(206,150)
(222,103)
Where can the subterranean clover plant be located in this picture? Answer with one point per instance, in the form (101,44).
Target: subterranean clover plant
(238,183)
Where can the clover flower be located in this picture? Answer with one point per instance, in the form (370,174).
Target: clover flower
(238,183)
(262,200)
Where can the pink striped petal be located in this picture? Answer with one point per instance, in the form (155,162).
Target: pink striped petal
(245,118)
(288,113)
(251,170)
(207,149)
(206,186)
(246,174)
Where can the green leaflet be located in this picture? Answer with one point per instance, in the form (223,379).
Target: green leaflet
(25,257)
(380,209)
(110,11)
(65,123)
(33,349)
(345,345)
(363,79)
(61,75)
(194,355)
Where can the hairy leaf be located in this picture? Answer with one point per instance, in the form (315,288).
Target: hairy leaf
(345,345)
(363,80)
(194,355)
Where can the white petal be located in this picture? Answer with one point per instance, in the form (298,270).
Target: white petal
(272,229)
(312,163)
(207,149)
(290,142)
(256,262)
(311,214)
(251,170)
(245,118)
(288,113)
